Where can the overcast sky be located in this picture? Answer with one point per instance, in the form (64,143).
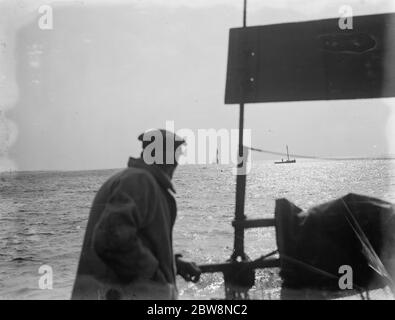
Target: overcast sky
(76,97)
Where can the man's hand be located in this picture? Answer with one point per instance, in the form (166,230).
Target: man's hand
(188,270)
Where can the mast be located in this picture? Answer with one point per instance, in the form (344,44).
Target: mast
(238,245)
(287,153)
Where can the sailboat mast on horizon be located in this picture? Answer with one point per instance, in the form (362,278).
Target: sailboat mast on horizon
(286,161)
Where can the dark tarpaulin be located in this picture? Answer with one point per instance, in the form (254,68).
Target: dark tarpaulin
(313,244)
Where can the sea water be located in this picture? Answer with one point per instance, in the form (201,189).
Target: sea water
(43,216)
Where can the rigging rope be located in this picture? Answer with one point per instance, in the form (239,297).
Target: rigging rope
(319,158)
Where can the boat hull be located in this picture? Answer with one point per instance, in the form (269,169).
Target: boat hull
(287,161)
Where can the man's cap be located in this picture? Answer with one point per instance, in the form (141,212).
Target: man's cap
(149,136)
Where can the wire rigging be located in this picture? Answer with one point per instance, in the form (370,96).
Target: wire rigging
(388,157)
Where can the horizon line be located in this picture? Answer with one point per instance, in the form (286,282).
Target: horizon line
(188,164)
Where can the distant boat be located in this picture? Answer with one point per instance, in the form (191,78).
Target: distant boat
(286,161)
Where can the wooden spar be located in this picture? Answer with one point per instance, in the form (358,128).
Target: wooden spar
(240,196)
(253,223)
(223,267)
(240,223)
(238,246)
(245,14)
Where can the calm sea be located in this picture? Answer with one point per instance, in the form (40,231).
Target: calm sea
(43,217)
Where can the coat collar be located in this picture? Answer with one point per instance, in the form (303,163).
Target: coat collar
(161,177)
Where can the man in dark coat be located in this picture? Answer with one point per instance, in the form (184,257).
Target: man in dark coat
(128,249)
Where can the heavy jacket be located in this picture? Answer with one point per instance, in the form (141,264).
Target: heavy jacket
(127,250)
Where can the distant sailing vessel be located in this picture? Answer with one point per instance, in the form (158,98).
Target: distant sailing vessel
(286,161)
